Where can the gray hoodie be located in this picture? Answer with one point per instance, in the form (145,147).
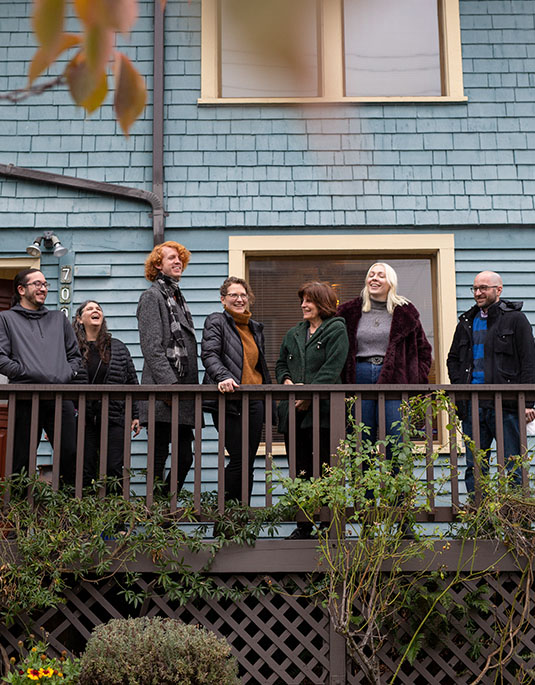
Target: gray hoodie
(37,346)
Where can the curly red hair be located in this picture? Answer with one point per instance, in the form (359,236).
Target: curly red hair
(155,258)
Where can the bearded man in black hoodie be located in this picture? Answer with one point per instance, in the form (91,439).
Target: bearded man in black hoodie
(38,345)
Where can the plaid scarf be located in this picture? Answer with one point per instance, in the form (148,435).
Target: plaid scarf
(176,352)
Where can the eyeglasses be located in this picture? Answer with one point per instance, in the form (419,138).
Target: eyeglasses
(237,296)
(38,285)
(482,288)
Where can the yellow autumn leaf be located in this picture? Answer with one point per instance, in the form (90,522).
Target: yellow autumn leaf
(88,89)
(42,58)
(47,21)
(98,47)
(83,10)
(130,92)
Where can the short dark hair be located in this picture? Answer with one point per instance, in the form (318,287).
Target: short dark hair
(21,279)
(234,280)
(322,295)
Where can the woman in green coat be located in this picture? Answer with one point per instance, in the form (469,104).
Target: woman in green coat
(314,351)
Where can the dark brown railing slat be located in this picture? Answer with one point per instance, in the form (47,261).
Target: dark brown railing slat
(127,446)
(33,395)
(80,445)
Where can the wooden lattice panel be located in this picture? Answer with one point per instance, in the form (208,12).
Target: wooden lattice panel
(278,639)
(283,639)
(450,662)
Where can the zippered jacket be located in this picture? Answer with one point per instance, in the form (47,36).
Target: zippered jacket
(320,359)
(38,346)
(509,352)
(121,371)
(222,354)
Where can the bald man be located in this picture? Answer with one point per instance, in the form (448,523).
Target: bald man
(493,343)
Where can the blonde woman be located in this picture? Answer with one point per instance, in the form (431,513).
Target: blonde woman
(387,343)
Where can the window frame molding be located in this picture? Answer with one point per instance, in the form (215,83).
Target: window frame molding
(10,266)
(440,247)
(331,61)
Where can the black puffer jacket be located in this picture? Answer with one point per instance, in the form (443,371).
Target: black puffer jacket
(222,353)
(121,371)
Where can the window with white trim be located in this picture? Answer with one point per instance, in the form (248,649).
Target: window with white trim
(330,50)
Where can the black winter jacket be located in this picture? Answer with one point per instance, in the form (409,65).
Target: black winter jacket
(222,353)
(121,371)
(38,346)
(509,346)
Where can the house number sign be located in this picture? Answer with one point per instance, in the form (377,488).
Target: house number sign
(65,289)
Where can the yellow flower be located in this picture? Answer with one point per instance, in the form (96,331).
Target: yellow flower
(33,674)
(46,672)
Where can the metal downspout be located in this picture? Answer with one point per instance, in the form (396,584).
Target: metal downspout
(158,213)
(155,198)
(158,120)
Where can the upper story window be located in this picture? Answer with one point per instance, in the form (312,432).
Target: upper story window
(330,51)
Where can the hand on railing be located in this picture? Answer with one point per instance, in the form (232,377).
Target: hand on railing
(300,405)
(228,385)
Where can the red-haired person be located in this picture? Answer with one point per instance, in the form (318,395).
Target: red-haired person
(169,348)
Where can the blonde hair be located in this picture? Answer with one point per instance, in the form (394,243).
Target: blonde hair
(155,257)
(392,299)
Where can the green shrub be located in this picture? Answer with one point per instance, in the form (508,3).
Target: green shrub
(156,651)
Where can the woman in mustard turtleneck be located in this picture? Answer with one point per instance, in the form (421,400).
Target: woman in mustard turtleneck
(232,351)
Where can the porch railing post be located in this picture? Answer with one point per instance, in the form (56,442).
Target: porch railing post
(337,657)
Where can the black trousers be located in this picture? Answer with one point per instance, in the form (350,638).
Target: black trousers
(304,447)
(114,466)
(233,445)
(21,447)
(304,465)
(162,438)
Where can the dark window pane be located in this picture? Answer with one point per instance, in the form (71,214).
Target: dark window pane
(275,282)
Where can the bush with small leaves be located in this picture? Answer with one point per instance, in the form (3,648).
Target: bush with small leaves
(156,651)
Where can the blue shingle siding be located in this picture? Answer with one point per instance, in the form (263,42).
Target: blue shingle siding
(464,167)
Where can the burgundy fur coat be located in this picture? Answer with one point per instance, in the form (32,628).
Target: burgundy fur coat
(408,355)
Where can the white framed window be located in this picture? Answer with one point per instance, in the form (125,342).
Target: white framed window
(276,51)
(425,265)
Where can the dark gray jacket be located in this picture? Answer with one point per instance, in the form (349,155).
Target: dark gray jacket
(155,337)
(509,352)
(38,346)
(222,353)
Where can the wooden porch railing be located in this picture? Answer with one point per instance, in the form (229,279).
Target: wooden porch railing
(337,395)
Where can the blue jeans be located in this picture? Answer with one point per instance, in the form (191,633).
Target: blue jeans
(367,374)
(487,433)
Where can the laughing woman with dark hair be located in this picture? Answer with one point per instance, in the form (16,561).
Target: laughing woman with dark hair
(314,351)
(107,360)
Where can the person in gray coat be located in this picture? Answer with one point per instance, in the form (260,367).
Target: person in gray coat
(169,348)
